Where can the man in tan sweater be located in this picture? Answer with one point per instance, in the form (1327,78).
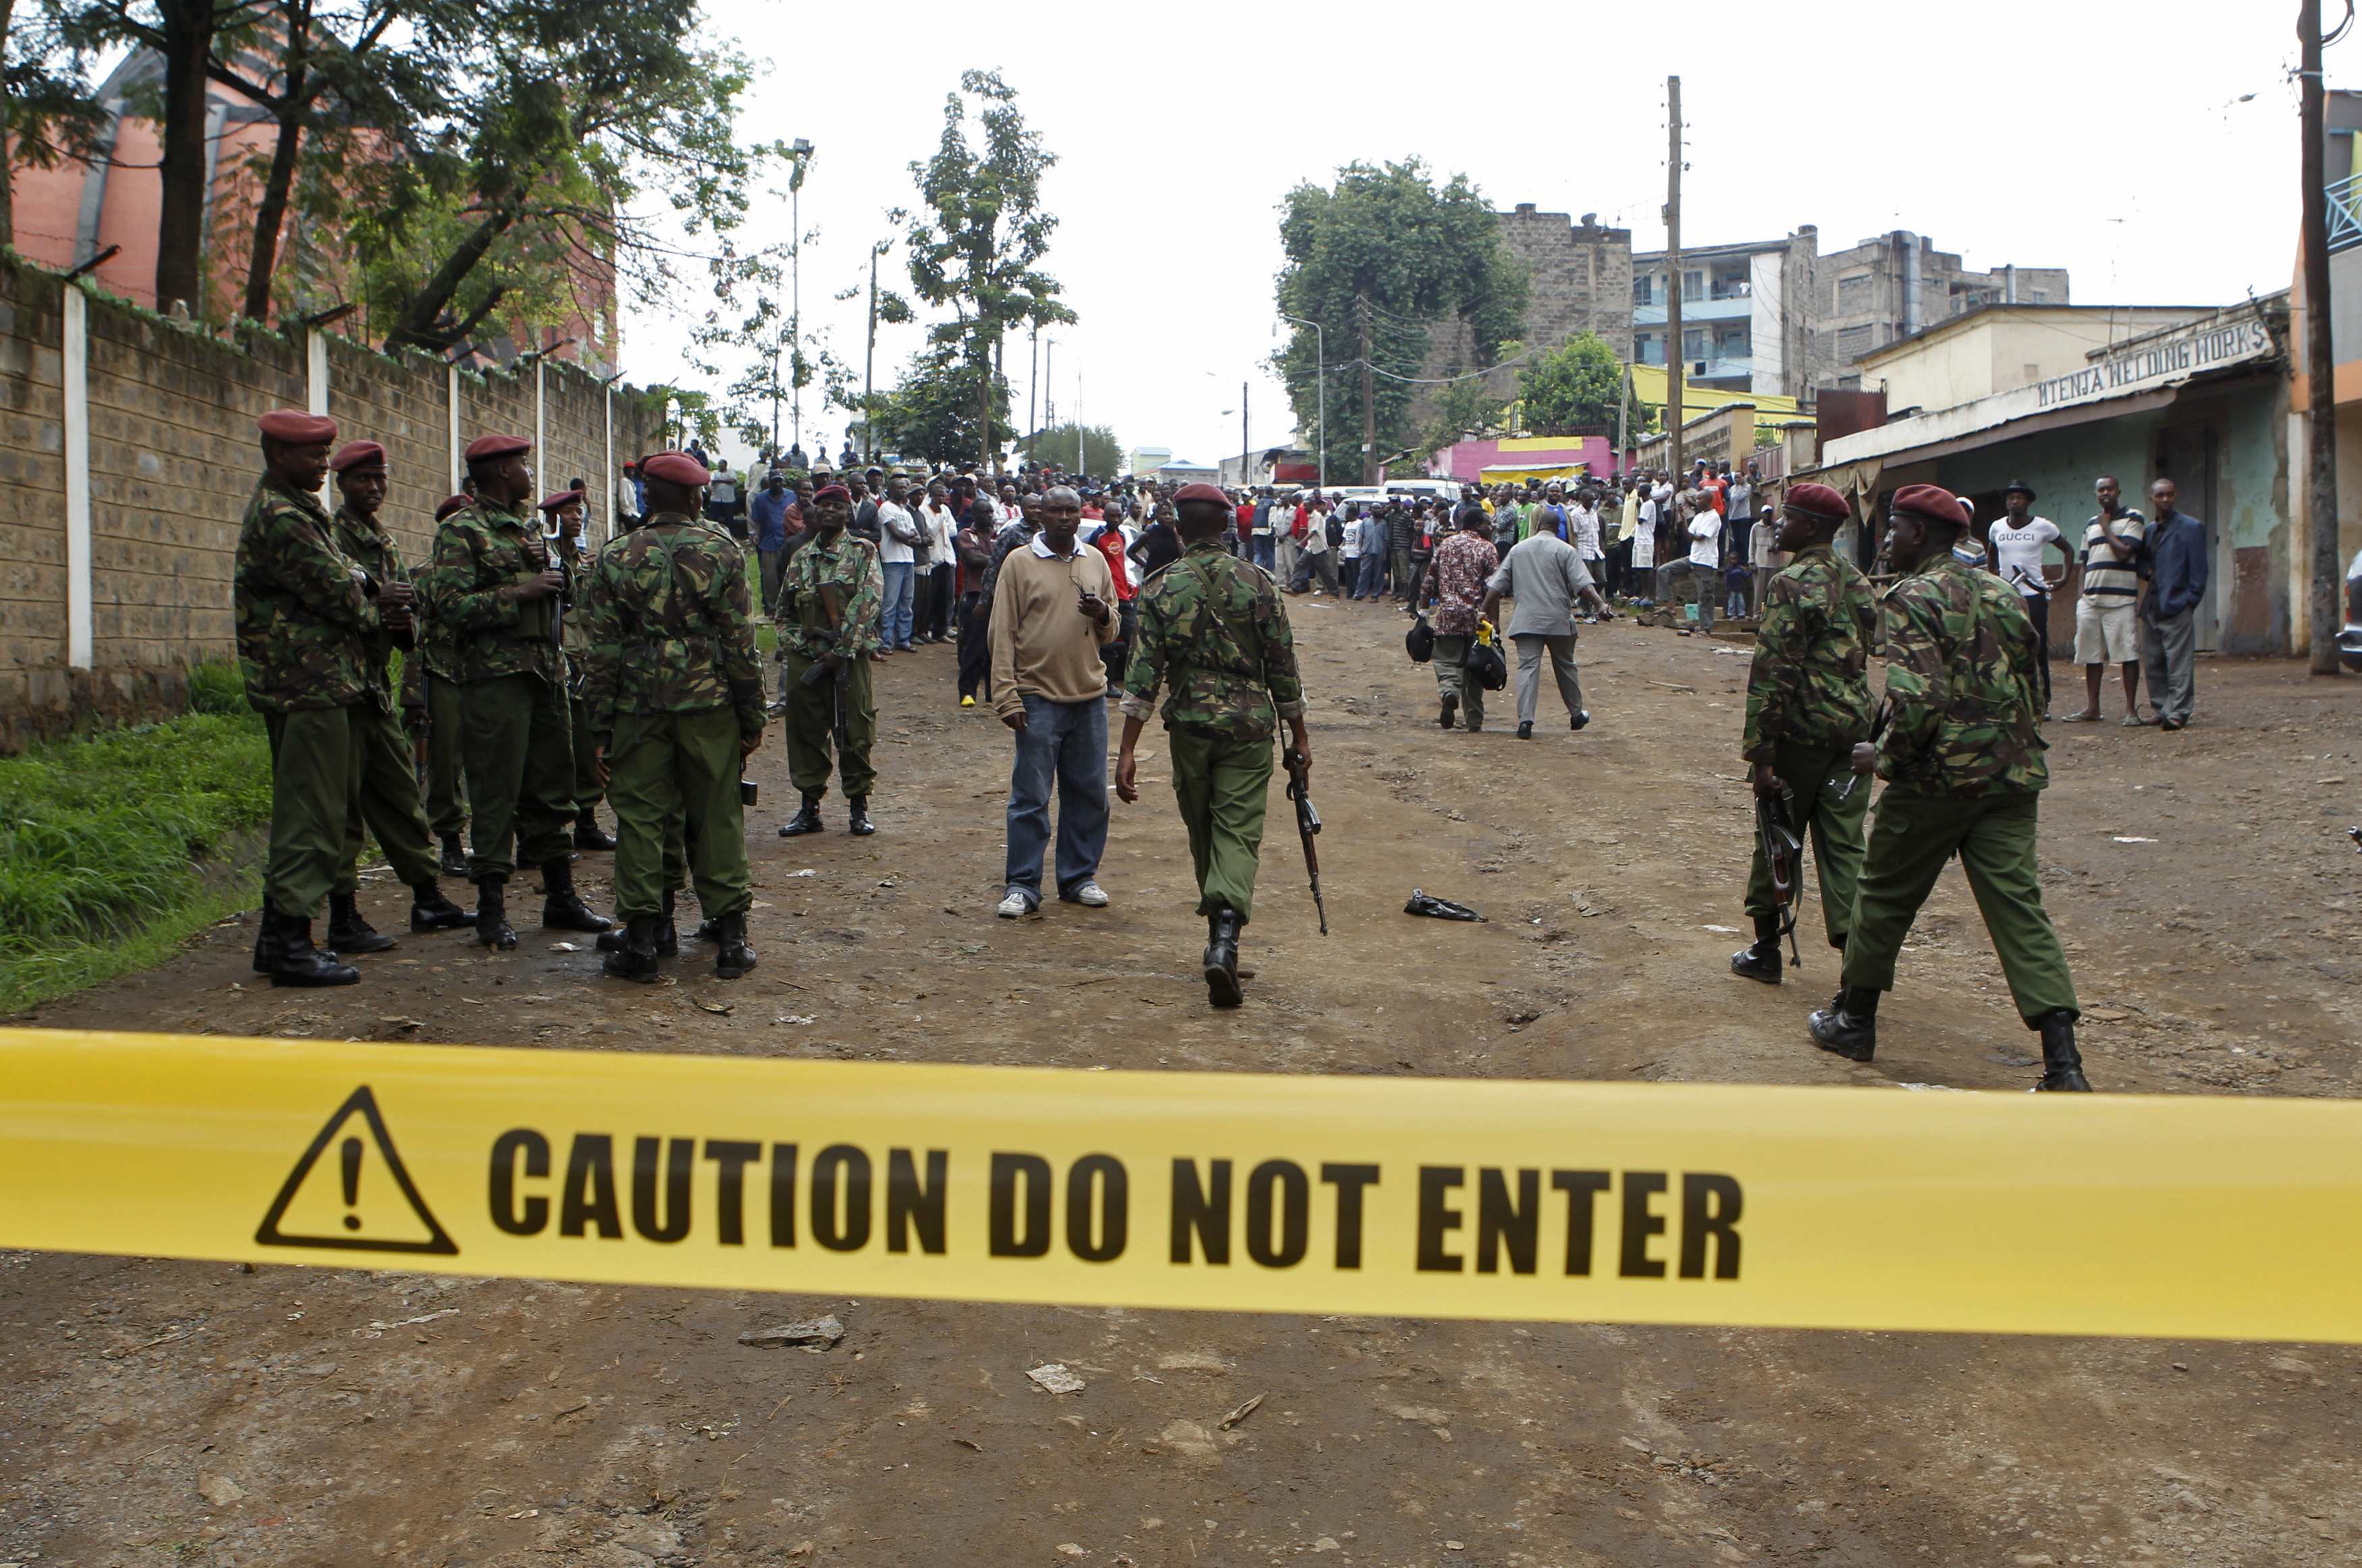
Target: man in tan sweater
(1053,609)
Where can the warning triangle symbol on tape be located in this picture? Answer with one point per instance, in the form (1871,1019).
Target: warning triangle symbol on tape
(349,1192)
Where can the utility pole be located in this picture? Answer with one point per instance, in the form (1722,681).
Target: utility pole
(1050,394)
(1369,408)
(1080,467)
(1246,449)
(2320,358)
(868,363)
(801,150)
(1033,386)
(1676,364)
(1320,398)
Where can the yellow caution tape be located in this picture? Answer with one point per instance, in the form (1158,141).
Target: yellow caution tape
(1794,1208)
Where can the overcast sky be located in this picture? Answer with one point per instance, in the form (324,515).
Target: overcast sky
(2073,133)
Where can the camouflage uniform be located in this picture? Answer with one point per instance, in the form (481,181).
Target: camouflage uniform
(673,691)
(388,801)
(1213,629)
(301,620)
(852,564)
(574,638)
(1807,703)
(519,755)
(1962,757)
(431,687)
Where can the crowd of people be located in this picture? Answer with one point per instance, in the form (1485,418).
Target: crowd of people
(539,677)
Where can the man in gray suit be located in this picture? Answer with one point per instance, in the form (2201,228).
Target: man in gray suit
(1546,576)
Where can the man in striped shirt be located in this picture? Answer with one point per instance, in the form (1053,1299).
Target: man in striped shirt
(2106,631)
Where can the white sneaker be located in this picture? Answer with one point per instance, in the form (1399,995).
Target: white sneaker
(1014,906)
(1090,895)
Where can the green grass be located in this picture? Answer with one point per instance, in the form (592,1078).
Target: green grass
(115,846)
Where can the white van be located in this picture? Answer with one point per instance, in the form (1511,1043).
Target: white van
(1449,491)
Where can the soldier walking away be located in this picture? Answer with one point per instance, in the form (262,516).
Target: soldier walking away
(437,671)
(1808,704)
(495,584)
(302,609)
(1213,633)
(829,599)
(1962,760)
(1462,564)
(674,701)
(565,514)
(386,800)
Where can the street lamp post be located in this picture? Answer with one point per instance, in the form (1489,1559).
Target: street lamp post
(1320,381)
(801,151)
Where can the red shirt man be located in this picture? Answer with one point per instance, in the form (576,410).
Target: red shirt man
(1109,542)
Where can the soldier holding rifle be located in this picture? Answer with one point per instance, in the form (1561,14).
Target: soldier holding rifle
(1213,632)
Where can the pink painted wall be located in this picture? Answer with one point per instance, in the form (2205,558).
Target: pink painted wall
(1465,461)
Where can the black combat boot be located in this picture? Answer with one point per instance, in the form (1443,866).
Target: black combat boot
(430,910)
(668,934)
(1848,1025)
(348,932)
(588,835)
(267,946)
(1222,957)
(637,958)
(296,962)
(1761,960)
(805,821)
(859,825)
(492,929)
(455,857)
(2062,1064)
(560,909)
(738,955)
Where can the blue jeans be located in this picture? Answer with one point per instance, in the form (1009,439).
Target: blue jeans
(1263,544)
(894,609)
(1066,740)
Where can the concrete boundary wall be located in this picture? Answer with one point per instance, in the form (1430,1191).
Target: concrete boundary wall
(128,454)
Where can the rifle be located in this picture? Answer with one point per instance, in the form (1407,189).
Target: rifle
(1307,823)
(831,596)
(1783,857)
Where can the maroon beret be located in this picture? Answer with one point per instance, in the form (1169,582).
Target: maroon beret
(1928,500)
(1818,500)
(837,490)
(453,504)
(563,498)
(484,448)
(353,453)
(676,467)
(297,428)
(1201,491)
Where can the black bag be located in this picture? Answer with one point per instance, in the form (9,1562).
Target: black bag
(1485,664)
(1419,641)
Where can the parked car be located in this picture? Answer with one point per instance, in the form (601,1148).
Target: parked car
(2349,641)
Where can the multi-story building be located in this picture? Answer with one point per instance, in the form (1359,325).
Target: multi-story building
(1779,316)
(1581,279)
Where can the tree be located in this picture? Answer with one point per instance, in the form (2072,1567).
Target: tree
(1462,408)
(937,410)
(47,113)
(1387,251)
(574,109)
(975,244)
(1102,453)
(1573,389)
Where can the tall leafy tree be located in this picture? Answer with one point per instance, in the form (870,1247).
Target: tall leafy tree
(1102,451)
(977,240)
(1461,409)
(591,135)
(939,407)
(46,112)
(1572,390)
(1388,251)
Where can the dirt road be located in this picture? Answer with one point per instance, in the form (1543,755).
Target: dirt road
(162,1413)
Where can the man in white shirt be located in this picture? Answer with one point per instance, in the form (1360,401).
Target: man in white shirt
(1643,584)
(1583,522)
(1763,554)
(937,525)
(1319,561)
(2018,543)
(1704,564)
(898,533)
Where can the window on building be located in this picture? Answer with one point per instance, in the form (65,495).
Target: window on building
(1853,293)
(1731,345)
(1853,342)
(1694,345)
(1692,286)
(1649,348)
(1644,289)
